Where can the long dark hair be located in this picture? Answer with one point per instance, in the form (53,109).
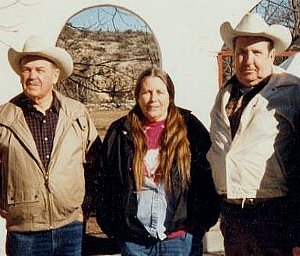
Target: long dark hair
(174,142)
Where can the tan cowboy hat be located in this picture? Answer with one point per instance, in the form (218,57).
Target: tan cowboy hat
(252,24)
(34,46)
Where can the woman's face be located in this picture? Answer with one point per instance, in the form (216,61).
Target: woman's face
(154,99)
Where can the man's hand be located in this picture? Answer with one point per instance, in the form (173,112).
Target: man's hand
(80,217)
(296,251)
(3,214)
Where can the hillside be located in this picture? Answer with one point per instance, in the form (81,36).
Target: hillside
(106,65)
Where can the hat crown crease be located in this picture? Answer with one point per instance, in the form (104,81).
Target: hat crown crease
(252,24)
(34,44)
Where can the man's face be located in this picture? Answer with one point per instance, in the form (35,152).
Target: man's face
(253,59)
(38,76)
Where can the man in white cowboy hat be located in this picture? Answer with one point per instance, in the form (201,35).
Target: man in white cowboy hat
(48,146)
(254,123)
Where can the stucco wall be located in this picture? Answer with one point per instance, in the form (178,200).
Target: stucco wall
(187,33)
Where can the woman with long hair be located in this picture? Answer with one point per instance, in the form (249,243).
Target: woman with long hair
(156,194)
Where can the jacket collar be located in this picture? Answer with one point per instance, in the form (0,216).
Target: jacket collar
(26,104)
(11,116)
(279,78)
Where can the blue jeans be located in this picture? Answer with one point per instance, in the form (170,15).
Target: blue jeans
(186,245)
(64,241)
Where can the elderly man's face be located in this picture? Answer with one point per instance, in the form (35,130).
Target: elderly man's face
(38,76)
(253,59)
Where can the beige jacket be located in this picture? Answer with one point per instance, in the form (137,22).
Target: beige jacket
(27,203)
(254,164)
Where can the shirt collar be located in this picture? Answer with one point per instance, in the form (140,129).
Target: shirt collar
(27,104)
(239,88)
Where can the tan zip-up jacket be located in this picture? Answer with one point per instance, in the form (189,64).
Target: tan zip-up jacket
(26,201)
(254,164)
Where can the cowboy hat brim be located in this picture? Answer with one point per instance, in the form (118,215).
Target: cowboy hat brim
(280,35)
(55,54)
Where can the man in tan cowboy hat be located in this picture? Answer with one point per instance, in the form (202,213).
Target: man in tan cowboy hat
(254,123)
(48,144)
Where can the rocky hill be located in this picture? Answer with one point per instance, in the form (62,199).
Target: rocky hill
(106,65)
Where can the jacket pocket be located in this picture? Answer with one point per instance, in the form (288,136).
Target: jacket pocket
(22,205)
(24,196)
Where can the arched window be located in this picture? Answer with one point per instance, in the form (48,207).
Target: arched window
(110,46)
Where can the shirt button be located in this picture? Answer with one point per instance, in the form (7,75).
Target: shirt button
(46,138)
(44,121)
(47,156)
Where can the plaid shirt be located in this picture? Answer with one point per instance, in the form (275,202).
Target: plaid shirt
(41,126)
(239,99)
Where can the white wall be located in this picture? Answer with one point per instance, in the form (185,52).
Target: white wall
(187,32)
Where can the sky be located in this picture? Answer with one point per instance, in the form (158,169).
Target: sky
(108,18)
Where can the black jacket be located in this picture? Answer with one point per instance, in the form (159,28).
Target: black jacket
(197,207)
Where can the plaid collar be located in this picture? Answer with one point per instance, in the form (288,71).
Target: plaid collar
(27,104)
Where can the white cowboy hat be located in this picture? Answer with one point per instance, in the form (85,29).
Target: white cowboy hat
(252,24)
(34,46)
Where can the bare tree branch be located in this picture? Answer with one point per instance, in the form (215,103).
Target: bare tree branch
(11,4)
(285,12)
(109,53)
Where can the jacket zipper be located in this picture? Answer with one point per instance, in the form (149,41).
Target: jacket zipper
(46,182)
(46,173)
